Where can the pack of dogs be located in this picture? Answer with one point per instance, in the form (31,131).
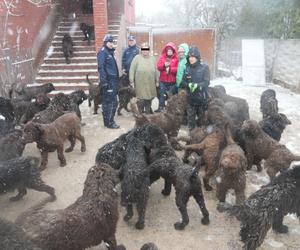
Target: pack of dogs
(226,143)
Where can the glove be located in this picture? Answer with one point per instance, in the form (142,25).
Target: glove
(193,87)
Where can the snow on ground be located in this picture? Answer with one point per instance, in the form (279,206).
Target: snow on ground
(221,234)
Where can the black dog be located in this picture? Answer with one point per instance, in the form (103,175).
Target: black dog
(268,103)
(135,181)
(67,47)
(94,94)
(267,207)
(88,32)
(165,163)
(6,127)
(125,94)
(11,145)
(274,125)
(21,173)
(12,237)
(76,98)
(6,109)
(28,93)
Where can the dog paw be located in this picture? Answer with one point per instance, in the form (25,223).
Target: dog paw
(15,198)
(208,187)
(83,149)
(165,192)
(127,217)
(139,225)
(62,164)
(68,150)
(205,220)
(282,229)
(53,198)
(179,225)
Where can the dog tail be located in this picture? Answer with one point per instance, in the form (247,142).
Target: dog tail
(134,109)
(88,80)
(228,135)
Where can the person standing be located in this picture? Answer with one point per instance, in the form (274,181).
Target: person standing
(143,75)
(167,65)
(183,50)
(109,81)
(196,80)
(128,55)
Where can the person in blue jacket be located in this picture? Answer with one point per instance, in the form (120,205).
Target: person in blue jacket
(129,53)
(109,81)
(196,79)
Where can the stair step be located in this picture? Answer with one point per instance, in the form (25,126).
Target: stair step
(76,48)
(54,73)
(75,54)
(65,79)
(71,66)
(74,60)
(76,43)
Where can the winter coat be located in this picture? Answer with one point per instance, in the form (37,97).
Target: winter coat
(171,76)
(128,56)
(197,73)
(182,64)
(144,75)
(107,67)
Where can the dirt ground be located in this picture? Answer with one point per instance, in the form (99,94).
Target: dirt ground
(221,233)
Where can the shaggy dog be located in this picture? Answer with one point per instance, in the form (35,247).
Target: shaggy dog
(260,146)
(268,103)
(94,95)
(6,127)
(7,109)
(274,125)
(88,32)
(243,108)
(67,47)
(12,237)
(91,219)
(11,145)
(114,153)
(21,173)
(51,137)
(77,98)
(170,120)
(210,149)
(57,107)
(31,92)
(135,181)
(149,246)
(125,94)
(267,207)
(232,171)
(165,163)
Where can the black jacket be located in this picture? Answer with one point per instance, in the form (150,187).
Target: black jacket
(197,73)
(107,66)
(128,56)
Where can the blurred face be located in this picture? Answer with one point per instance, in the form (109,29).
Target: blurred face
(145,52)
(192,59)
(110,45)
(170,52)
(181,52)
(131,43)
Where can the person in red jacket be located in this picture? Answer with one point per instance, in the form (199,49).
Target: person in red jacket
(167,65)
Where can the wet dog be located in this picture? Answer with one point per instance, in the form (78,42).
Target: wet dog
(51,137)
(7,109)
(67,47)
(268,103)
(11,145)
(125,94)
(21,173)
(91,219)
(88,32)
(94,95)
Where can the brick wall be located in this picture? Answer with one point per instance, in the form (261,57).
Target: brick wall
(100,21)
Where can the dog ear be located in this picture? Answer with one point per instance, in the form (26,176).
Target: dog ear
(39,128)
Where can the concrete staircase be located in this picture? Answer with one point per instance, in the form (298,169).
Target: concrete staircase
(69,77)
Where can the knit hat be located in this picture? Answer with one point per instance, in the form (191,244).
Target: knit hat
(194,51)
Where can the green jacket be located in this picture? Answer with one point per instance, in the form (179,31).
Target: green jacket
(182,64)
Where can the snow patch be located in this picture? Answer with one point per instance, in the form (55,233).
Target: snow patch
(274,243)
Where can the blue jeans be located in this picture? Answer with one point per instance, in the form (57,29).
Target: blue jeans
(163,89)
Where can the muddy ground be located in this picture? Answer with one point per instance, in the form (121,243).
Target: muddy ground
(221,233)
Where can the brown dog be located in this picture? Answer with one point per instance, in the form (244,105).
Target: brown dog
(260,146)
(170,120)
(232,171)
(51,137)
(91,219)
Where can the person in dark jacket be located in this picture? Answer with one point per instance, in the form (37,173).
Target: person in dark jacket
(196,79)
(167,65)
(109,81)
(128,55)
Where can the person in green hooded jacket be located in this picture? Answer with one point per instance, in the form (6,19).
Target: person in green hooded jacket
(183,50)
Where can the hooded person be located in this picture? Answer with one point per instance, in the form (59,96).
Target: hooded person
(196,79)
(109,81)
(183,50)
(167,65)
